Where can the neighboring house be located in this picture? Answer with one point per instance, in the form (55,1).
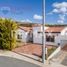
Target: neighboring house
(54,35)
(24,34)
(37,36)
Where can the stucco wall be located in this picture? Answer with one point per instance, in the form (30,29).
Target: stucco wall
(23,33)
(62,39)
(64,31)
(59,37)
(37,37)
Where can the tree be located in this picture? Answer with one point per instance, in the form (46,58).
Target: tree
(7,33)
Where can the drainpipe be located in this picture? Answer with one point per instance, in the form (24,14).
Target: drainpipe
(43,33)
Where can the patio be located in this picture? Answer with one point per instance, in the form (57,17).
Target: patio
(31,49)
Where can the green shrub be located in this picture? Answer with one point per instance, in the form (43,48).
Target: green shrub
(7,35)
(50,51)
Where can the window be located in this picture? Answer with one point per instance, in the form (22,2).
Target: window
(39,32)
(50,38)
(19,36)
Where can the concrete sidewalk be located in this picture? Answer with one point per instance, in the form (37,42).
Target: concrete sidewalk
(14,55)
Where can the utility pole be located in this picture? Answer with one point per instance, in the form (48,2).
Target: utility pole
(43,32)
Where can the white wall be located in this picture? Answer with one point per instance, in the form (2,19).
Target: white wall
(23,33)
(64,31)
(37,37)
(62,39)
(59,37)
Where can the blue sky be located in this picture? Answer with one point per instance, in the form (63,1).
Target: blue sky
(31,10)
(21,10)
(56,11)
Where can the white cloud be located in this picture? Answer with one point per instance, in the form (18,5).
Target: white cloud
(37,17)
(27,20)
(60,7)
(62,17)
(61,10)
(60,21)
(5,10)
(55,11)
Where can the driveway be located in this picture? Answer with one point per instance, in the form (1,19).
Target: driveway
(12,62)
(31,49)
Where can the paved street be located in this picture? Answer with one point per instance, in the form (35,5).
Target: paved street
(7,59)
(12,62)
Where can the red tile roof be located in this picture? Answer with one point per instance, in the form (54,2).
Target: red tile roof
(54,29)
(36,25)
(25,28)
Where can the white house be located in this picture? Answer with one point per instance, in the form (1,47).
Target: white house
(54,35)
(37,36)
(24,34)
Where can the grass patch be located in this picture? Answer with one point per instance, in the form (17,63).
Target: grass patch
(51,50)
